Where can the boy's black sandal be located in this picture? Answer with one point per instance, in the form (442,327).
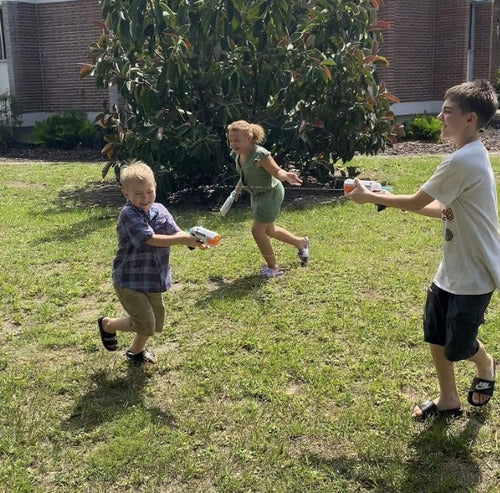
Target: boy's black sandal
(109,341)
(429,410)
(481,386)
(140,358)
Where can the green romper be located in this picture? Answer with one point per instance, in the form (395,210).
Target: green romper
(266,191)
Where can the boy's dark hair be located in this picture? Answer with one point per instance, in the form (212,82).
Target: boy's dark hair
(477,96)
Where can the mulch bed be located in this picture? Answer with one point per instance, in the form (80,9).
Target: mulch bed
(105,193)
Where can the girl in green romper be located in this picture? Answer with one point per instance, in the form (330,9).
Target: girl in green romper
(261,176)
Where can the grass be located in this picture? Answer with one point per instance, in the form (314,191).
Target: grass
(303,383)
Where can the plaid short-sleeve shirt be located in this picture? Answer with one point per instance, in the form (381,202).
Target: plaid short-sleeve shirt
(137,265)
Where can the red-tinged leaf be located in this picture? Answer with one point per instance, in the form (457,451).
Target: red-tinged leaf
(375,4)
(379,26)
(86,69)
(309,40)
(399,129)
(318,123)
(105,169)
(381,61)
(370,100)
(100,25)
(389,97)
(106,148)
(327,71)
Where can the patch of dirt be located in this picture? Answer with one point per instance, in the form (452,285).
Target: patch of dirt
(490,138)
(39,154)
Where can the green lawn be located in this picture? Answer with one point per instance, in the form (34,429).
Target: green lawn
(303,383)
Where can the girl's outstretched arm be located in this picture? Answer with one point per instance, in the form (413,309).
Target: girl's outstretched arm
(270,165)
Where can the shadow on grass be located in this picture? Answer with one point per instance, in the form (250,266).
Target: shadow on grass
(439,460)
(93,194)
(442,459)
(104,197)
(111,397)
(233,290)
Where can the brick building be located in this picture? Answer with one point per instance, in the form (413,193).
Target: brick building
(44,43)
(434,44)
(431,45)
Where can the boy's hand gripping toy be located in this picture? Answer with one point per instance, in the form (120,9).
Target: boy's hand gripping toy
(205,236)
(373,186)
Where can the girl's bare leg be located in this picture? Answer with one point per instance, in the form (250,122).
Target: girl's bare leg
(281,234)
(264,243)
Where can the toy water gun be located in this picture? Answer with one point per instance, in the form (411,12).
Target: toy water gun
(228,203)
(205,236)
(373,186)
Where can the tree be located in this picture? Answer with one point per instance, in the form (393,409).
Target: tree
(304,69)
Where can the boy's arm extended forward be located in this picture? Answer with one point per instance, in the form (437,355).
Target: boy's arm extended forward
(179,238)
(420,202)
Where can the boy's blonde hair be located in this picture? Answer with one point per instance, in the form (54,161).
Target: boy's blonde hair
(255,131)
(136,171)
(478,96)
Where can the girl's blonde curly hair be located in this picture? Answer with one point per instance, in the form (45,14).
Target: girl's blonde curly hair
(253,129)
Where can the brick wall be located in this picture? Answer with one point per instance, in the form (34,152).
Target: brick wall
(50,41)
(63,52)
(451,35)
(427,46)
(23,53)
(409,47)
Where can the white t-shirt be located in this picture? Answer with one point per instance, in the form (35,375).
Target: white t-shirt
(464,184)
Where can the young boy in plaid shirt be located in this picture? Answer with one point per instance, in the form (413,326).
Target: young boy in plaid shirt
(141,270)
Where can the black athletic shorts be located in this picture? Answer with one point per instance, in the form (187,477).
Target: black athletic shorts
(453,320)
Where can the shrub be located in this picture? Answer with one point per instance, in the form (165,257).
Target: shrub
(10,111)
(64,130)
(306,71)
(424,127)
(496,82)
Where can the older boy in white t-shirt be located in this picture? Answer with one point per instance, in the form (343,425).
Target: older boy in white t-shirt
(462,192)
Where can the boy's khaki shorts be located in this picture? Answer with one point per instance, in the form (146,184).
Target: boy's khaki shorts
(146,310)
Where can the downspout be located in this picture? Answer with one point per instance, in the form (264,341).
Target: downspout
(470,46)
(40,57)
(490,58)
